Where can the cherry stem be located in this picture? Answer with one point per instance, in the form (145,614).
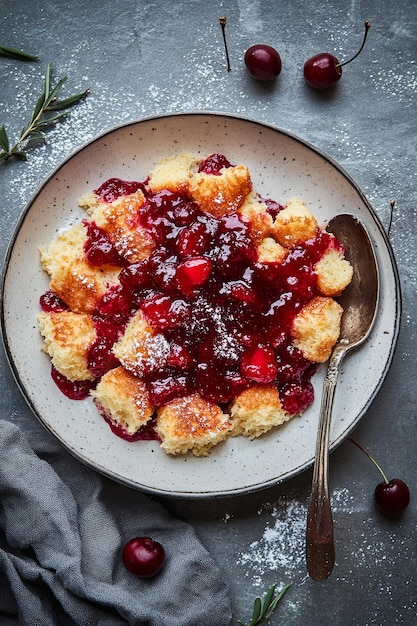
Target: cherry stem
(391,217)
(222,21)
(367,27)
(371,458)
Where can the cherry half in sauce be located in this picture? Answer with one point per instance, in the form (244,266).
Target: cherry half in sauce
(50,303)
(114,188)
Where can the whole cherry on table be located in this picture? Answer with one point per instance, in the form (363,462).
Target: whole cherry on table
(391,496)
(324,70)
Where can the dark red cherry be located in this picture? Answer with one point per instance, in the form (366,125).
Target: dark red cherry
(263,62)
(165,312)
(213,164)
(324,70)
(113,188)
(259,364)
(51,303)
(193,273)
(392,496)
(143,557)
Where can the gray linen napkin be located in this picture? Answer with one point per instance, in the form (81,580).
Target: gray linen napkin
(62,529)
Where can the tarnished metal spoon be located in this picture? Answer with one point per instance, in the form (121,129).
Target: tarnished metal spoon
(359,302)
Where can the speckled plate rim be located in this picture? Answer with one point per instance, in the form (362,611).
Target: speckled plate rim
(244,483)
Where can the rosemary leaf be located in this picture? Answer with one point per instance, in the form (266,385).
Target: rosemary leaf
(58,105)
(50,120)
(19,55)
(36,135)
(269,608)
(47,84)
(262,611)
(4,140)
(52,93)
(269,596)
(257,610)
(38,108)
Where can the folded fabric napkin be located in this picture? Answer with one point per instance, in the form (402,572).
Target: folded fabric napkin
(62,530)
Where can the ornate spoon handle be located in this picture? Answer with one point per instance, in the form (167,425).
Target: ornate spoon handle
(320,554)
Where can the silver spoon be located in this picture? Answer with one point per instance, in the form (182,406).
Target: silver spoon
(359,301)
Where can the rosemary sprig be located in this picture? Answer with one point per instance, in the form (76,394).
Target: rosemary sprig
(14,53)
(34,130)
(262,610)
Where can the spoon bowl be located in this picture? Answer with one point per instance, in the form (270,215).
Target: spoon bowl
(359,300)
(360,303)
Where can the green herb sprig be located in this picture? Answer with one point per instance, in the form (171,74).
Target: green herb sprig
(262,610)
(46,104)
(19,55)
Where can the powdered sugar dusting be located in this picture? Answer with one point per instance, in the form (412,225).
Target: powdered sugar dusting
(281,547)
(399,83)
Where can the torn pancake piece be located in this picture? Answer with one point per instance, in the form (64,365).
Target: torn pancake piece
(256,410)
(123,398)
(68,337)
(191,424)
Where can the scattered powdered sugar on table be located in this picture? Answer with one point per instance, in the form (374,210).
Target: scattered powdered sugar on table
(281,547)
(399,83)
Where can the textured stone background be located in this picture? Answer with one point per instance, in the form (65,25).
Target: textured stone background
(141,58)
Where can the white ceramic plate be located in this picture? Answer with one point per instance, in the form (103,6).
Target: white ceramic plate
(281,166)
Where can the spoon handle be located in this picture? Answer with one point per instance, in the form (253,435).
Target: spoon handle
(320,555)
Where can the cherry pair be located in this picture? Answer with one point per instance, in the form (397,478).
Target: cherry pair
(320,71)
